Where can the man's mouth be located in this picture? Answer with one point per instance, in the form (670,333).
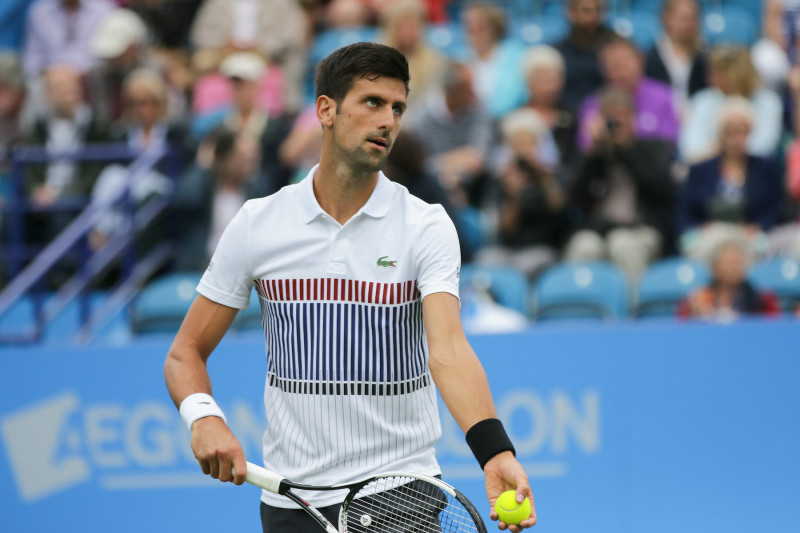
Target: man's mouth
(379,142)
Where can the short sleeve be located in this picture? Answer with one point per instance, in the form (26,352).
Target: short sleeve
(228,279)
(438,254)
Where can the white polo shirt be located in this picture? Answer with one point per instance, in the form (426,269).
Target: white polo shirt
(348,391)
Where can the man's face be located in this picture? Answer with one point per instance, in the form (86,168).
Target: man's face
(681,21)
(622,66)
(63,91)
(586,14)
(367,122)
(730,268)
(245,93)
(545,85)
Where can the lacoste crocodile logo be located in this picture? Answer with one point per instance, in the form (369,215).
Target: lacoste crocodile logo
(383,263)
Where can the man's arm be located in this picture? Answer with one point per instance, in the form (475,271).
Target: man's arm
(463,385)
(185,372)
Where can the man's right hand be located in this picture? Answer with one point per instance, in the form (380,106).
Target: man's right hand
(217,450)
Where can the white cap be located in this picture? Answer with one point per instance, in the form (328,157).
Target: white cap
(243,65)
(120,29)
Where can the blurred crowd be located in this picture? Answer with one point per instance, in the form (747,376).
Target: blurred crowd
(587,148)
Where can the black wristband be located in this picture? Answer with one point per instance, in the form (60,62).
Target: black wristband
(487,438)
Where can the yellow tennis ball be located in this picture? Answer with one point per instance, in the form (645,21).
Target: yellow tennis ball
(509,511)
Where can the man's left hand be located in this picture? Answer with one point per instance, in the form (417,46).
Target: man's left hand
(503,472)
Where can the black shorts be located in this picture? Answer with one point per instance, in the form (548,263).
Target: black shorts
(279,520)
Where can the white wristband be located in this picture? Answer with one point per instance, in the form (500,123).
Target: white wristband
(199,405)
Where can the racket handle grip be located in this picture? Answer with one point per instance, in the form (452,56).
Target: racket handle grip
(263,478)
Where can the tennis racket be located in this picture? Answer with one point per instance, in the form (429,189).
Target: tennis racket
(395,502)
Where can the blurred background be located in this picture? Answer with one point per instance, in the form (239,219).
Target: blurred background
(624,177)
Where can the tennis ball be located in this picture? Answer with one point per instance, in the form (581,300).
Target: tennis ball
(509,511)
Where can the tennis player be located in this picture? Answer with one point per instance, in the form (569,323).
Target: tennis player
(358,286)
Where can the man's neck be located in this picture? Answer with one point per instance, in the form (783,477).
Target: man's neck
(340,191)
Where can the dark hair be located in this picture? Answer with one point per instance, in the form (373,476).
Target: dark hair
(225,143)
(337,73)
(619,40)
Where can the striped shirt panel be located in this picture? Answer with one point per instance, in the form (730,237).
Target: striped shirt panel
(348,387)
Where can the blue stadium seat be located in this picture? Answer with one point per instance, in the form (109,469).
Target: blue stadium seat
(730,25)
(648,6)
(508,286)
(780,275)
(163,303)
(449,39)
(668,282)
(553,9)
(249,318)
(332,39)
(641,27)
(582,290)
(754,8)
(471,227)
(545,30)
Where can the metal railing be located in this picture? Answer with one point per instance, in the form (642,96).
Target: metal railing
(27,279)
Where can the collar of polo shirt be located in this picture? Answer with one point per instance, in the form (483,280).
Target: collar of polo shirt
(377,206)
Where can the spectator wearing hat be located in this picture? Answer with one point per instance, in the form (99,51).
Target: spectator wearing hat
(59,33)
(244,70)
(274,29)
(120,44)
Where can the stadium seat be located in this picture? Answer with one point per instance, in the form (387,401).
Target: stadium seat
(249,318)
(546,30)
(163,303)
(753,8)
(666,283)
(581,290)
(508,286)
(730,25)
(471,226)
(780,275)
(449,39)
(332,39)
(641,27)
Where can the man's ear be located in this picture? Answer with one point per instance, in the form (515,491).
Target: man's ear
(326,109)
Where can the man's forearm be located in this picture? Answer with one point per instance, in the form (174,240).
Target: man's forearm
(185,373)
(463,385)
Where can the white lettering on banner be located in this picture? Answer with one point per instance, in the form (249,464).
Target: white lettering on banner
(104,435)
(541,427)
(136,431)
(35,441)
(59,443)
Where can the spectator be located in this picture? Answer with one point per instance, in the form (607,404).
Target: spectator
(623,68)
(300,149)
(404,26)
(145,129)
(496,63)
(624,187)
(731,74)
(532,215)
(676,59)
(146,125)
(12,97)
(68,125)
(348,14)
(457,133)
(785,239)
(120,44)
(59,33)
(729,295)
(733,196)
(544,73)
(272,28)
(209,195)
(245,70)
(580,49)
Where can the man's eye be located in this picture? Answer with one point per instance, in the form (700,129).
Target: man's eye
(372,103)
(397,110)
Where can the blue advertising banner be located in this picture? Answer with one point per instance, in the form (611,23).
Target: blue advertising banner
(622,428)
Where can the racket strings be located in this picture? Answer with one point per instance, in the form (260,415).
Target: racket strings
(406,505)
